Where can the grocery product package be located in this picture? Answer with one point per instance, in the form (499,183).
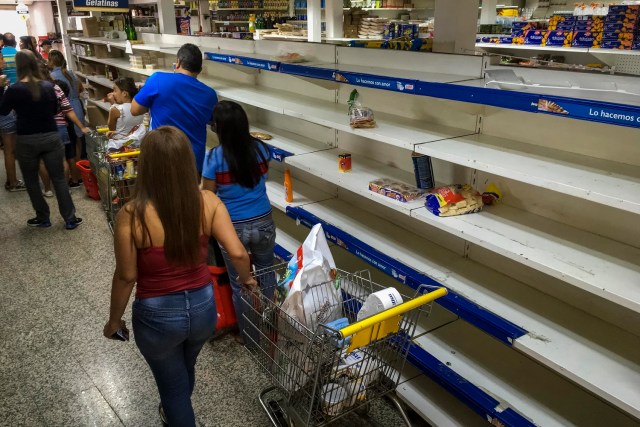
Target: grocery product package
(454,200)
(356,372)
(312,293)
(359,116)
(396,190)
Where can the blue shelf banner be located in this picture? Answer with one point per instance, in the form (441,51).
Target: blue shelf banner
(306,71)
(262,64)
(220,57)
(279,154)
(480,95)
(101,5)
(377,82)
(489,322)
(474,397)
(282,254)
(603,112)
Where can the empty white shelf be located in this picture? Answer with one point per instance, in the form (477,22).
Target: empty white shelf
(303,194)
(100,104)
(288,141)
(324,165)
(516,381)
(600,181)
(595,264)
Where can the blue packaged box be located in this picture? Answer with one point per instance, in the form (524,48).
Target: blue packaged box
(517,33)
(615,44)
(617,36)
(535,38)
(506,40)
(621,19)
(619,27)
(622,9)
(586,39)
(559,38)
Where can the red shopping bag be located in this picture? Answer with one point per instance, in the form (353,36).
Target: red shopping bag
(224,302)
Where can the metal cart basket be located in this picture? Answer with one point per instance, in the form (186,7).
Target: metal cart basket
(321,375)
(96,148)
(116,175)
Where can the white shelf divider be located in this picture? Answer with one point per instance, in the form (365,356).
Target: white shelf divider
(600,181)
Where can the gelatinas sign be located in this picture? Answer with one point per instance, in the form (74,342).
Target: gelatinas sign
(102,5)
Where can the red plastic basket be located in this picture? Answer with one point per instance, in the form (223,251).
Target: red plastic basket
(224,298)
(89,179)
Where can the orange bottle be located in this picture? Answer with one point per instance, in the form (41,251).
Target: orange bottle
(288,189)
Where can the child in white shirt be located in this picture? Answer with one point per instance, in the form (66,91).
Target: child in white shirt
(121,122)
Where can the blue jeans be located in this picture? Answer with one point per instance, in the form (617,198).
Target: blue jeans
(259,239)
(170,331)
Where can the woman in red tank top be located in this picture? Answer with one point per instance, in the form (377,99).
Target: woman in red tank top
(161,244)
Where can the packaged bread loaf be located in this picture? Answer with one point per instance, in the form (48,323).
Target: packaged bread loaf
(454,200)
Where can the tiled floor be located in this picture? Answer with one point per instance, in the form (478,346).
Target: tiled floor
(56,369)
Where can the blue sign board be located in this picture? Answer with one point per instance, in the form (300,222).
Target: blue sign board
(102,5)
(306,71)
(615,114)
(219,57)
(376,82)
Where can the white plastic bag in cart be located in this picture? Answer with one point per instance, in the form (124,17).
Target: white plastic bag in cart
(314,296)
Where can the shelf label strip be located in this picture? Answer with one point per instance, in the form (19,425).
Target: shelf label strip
(377,82)
(279,154)
(592,111)
(489,322)
(306,71)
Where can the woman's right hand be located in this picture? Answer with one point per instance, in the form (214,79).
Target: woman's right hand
(252,283)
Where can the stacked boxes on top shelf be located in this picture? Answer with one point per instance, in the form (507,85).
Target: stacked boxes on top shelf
(621,28)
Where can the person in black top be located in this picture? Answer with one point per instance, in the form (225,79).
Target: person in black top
(35,103)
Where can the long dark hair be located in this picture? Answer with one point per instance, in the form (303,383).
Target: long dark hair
(127,84)
(27,67)
(239,148)
(168,180)
(56,58)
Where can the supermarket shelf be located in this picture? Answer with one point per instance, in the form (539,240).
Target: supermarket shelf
(284,144)
(593,51)
(324,165)
(102,81)
(562,337)
(513,383)
(230,22)
(529,47)
(597,265)
(303,194)
(120,63)
(118,43)
(600,181)
(384,9)
(592,263)
(100,104)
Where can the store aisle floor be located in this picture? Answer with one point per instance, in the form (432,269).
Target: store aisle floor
(56,369)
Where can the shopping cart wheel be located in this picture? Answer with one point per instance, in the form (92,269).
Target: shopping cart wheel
(271,399)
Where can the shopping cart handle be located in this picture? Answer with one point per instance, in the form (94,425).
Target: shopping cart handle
(396,311)
(125,154)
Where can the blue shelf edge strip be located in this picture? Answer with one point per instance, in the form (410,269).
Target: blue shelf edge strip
(483,319)
(471,395)
(575,108)
(468,393)
(279,154)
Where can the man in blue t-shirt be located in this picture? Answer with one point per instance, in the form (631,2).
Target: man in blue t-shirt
(179,99)
(9,52)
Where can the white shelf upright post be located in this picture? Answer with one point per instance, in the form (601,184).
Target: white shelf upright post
(167,17)
(488,12)
(314,21)
(333,14)
(455,26)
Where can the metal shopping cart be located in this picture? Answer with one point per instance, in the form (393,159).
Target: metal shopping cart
(321,375)
(96,148)
(116,175)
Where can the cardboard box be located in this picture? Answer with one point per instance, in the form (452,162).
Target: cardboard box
(624,9)
(586,39)
(96,116)
(611,36)
(90,27)
(535,38)
(559,38)
(616,44)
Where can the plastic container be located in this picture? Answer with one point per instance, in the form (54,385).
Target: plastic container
(334,399)
(288,189)
(89,179)
(224,298)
